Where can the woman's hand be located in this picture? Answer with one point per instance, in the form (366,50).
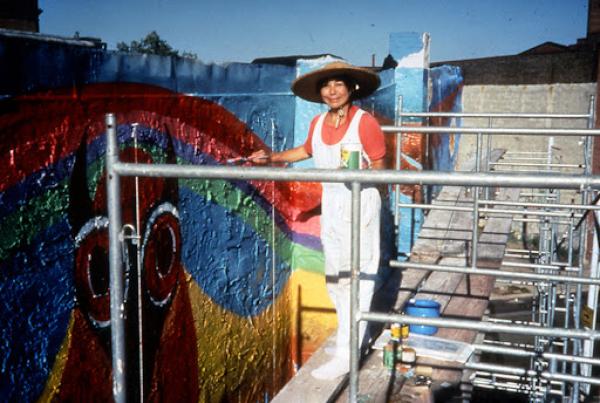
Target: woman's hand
(260,157)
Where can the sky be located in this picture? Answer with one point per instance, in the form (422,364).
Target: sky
(221,31)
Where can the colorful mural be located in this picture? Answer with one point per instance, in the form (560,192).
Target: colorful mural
(446,96)
(228,280)
(212,240)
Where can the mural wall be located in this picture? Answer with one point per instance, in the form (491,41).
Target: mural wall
(446,96)
(228,277)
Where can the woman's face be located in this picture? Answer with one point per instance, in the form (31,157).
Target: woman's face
(335,93)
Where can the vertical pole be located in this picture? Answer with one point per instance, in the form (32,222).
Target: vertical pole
(115,262)
(592,297)
(139,235)
(398,167)
(488,156)
(274,271)
(354,291)
(577,344)
(567,293)
(475,236)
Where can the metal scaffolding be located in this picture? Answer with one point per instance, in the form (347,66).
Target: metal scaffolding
(555,270)
(560,364)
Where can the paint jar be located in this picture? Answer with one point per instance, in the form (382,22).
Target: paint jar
(392,355)
(404,331)
(407,361)
(350,155)
(392,351)
(409,356)
(424,308)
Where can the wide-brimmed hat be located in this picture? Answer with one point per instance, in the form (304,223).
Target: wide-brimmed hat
(307,86)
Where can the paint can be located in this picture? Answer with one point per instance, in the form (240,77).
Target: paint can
(392,355)
(404,331)
(351,155)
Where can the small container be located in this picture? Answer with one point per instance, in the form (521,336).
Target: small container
(425,308)
(404,331)
(407,362)
(392,351)
(409,356)
(392,355)
(396,331)
(351,155)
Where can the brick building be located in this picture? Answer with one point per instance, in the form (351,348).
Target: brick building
(21,15)
(546,63)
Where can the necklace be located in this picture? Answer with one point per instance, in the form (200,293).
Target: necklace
(339,116)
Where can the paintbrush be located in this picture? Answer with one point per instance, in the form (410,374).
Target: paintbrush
(241,160)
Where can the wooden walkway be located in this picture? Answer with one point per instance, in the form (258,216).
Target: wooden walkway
(444,239)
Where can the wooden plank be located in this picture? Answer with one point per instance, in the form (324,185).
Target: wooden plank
(493,240)
(305,388)
(445,235)
(435,229)
(471,297)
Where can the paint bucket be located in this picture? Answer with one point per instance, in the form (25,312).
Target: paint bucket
(424,308)
(350,154)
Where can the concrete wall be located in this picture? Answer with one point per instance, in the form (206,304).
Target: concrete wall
(542,98)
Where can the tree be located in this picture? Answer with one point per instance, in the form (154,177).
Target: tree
(153,44)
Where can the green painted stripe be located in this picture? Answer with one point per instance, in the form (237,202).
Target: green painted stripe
(233,199)
(31,218)
(41,212)
(307,259)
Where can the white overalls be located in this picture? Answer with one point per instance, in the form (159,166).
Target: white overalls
(336,234)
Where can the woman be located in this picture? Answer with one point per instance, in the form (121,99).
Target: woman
(337,84)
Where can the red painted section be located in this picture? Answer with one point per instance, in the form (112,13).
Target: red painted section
(62,117)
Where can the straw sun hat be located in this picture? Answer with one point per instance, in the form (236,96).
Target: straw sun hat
(307,86)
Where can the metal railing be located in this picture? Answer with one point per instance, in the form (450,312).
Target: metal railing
(549,221)
(116,169)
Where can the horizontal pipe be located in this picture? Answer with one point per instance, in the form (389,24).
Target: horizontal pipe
(513,322)
(493,131)
(523,251)
(541,266)
(491,202)
(508,152)
(526,171)
(531,373)
(526,353)
(541,384)
(541,205)
(523,388)
(494,273)
(537,221)
(497,115)
(483,210)
(532,164)
(546,195)
(509,343)
(480,326)
(434,207)
(571,378)
(508,157)
(515,282)
(503,369)
(360,176)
